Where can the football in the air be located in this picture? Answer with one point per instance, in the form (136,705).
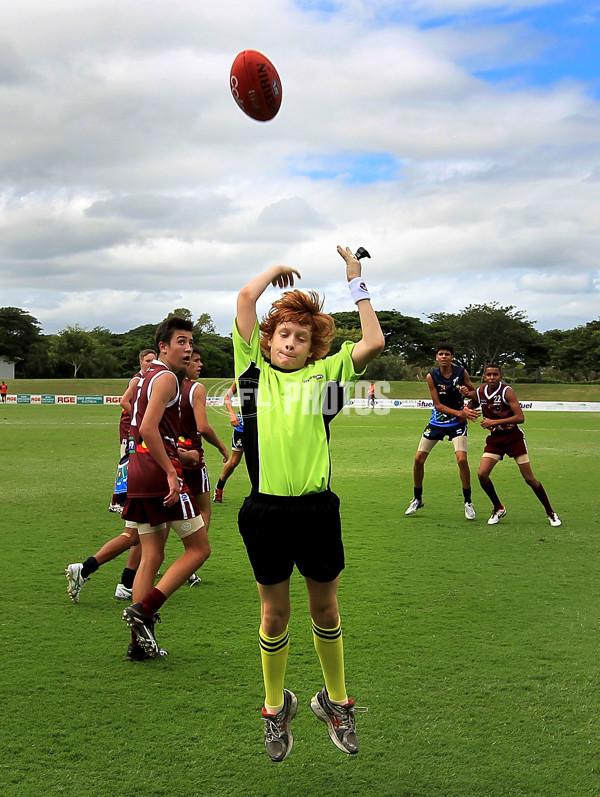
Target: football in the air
(255,85)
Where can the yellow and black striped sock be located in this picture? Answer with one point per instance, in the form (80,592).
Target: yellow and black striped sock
(273,654)
(330,649)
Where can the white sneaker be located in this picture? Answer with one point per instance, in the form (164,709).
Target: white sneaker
(495,518)
(469,511)
(554,519)
(413,506)
(115,508)
(123,593)
(76,580)
(194,580)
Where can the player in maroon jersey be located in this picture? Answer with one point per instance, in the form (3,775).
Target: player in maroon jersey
(194,426)
(502,415)
(78,573)
(157,494)
(146,358)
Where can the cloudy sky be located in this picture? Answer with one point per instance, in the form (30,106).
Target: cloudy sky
(457,140)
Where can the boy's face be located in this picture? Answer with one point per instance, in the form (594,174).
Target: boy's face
(146,361)
(492,376)
(444,357)
(177,352)
(194,366)
(290,346)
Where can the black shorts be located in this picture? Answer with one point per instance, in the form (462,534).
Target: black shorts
(237,440)
(280,531)
(439,432)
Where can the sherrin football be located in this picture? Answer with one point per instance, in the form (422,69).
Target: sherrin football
(255,85)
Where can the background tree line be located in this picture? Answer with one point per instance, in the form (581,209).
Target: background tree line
(481,334)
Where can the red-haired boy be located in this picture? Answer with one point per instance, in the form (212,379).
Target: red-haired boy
(289,393)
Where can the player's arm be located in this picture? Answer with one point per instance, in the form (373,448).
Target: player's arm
(466,414)
(468,390)
(283,276)
(127,398)
(372,342)
(516,417)
(164,389)
(233,418)
(202,424)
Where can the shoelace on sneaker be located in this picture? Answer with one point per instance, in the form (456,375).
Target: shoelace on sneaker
(273,729)
(343,716)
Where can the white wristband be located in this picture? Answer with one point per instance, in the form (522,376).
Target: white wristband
(358,289)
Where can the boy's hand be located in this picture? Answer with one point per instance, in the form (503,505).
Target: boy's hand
(352,264)
(285,277)
(189,456)
(174,489)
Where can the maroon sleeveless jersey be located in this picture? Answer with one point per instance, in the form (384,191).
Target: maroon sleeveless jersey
(189,437)
(494,406)
(146,478)
(125,419)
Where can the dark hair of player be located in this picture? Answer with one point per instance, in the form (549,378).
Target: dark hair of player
(166,329)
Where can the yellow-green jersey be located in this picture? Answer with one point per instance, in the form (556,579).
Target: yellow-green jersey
(287,415)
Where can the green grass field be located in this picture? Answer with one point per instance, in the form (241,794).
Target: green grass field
(475,648)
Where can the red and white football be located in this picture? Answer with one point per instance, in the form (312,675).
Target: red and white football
(255,85)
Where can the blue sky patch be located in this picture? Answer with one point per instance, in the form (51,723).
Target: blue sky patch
(572,30)
(351,167)
(320,6)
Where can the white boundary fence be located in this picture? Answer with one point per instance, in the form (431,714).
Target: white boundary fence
(356,403)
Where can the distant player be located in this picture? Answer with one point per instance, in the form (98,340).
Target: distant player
(449,418)
(291,516)
(371,394)
(237,444)
(502,415)
(3,391)
(147,356)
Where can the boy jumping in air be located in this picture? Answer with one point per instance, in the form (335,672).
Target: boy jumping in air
(289,393)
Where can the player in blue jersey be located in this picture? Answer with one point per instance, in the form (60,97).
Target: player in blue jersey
(449,418)
(237,444)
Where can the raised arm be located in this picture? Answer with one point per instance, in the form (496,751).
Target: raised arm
(372,342)
(282,276)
